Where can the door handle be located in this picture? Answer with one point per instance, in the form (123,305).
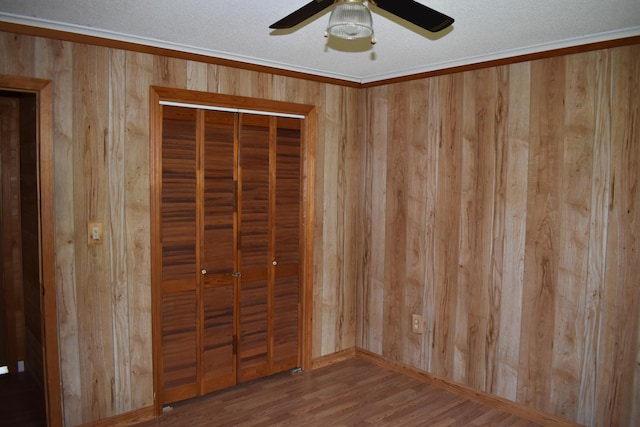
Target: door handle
(203,271)
(236,274)
(274,262)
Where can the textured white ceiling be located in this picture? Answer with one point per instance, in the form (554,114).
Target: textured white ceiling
(238,30)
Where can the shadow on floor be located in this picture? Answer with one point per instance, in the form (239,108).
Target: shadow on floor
(21,401)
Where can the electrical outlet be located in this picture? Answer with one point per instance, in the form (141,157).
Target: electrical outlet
(417,324)
(94,233)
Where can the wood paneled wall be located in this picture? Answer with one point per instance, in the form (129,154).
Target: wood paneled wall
(503,205)
(101,173)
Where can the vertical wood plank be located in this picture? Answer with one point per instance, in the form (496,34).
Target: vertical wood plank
(375,196)
(541,247)
(229,82)
(421,163)
(244,83)
(91,125)
(213,80)
(517,148)
(450,93)
(322,135)
(496,232)
(309,141)
(323,167)
(574,220)
(170,72)
(115,158)
(60,66)
(197,76)
(466,257)
(297,90)
(599,210)
(138,75)
(351,212)
(20,54)
(363,228)
(395,330)
(333,224)
(621,298)
(630,407)
(434,143)
(488,216)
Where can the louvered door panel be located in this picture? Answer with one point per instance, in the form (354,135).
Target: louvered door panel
(218,249)
(253,246)
(218,359)
(178,230)
(286,294)
(179,344)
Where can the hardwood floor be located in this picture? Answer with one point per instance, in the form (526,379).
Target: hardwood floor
(354,392)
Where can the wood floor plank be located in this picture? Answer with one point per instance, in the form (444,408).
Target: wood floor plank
(354,392)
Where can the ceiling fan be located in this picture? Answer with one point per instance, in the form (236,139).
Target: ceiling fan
(351,19)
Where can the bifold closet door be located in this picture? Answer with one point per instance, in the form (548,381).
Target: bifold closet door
(198,247)
(230,237)
(269,218)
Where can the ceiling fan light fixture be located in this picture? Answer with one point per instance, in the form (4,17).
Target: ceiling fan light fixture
(350,20)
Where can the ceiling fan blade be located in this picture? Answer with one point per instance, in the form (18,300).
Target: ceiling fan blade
(305,12)
(416,13)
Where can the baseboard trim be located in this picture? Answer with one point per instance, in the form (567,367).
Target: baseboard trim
(332,358)
(126,419)
(497,402)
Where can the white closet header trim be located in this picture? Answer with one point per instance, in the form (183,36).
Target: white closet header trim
(230,110)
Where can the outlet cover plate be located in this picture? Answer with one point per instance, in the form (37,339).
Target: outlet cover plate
(417,324)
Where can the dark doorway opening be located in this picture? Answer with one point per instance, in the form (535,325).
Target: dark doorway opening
(22,400)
